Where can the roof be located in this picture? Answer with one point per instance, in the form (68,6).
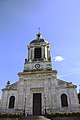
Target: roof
(11,87)
(38,39)
(68,84)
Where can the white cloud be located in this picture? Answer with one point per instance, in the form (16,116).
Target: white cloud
(58,59)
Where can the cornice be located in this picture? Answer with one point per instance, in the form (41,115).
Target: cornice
(38,72)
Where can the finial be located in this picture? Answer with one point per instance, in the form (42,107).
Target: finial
(38,29)
(8,84)
(39,34)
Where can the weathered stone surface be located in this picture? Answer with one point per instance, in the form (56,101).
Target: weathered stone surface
(38,77)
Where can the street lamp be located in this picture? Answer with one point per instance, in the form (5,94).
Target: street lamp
(45,104)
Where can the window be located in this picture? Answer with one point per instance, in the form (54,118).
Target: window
(11,102)
(64,101)
(79,97)
(37,53)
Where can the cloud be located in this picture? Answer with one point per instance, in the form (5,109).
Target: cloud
(58,59)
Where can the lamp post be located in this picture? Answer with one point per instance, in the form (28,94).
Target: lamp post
(45,104)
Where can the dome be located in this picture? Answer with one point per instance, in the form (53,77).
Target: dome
(38,39)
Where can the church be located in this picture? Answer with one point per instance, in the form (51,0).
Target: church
(38,90)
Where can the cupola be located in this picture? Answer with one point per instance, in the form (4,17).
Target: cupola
(38,52)
(39,49)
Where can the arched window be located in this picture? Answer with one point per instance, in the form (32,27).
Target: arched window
(11,102)
(79,97)
(64,101)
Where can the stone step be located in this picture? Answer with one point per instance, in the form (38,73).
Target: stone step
(35,118)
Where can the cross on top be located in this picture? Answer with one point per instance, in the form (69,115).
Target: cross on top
(38,29)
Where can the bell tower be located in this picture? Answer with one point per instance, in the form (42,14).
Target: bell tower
(38,55)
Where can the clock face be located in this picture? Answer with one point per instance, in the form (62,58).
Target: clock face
(37,66)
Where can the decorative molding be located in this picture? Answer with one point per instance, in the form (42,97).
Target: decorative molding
(38,72)
(37,89)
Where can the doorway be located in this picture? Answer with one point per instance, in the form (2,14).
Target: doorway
(36,103)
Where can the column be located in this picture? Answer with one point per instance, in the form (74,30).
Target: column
(42,54)
(45,52)
(32,53)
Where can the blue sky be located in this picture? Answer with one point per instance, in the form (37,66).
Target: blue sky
(59,21)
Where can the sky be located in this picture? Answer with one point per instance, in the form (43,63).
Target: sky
(59,22)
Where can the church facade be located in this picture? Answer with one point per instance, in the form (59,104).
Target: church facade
(38,90)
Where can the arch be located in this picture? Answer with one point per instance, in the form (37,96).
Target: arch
(79,97)
(64,101)
(11,102)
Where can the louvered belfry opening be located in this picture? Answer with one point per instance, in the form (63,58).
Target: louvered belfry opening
(37,53)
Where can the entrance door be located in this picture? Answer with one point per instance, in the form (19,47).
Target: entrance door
(36,103)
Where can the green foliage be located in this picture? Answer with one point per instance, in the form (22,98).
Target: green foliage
(10,115)
(61,114)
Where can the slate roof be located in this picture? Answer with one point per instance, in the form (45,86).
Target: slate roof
(39,39)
